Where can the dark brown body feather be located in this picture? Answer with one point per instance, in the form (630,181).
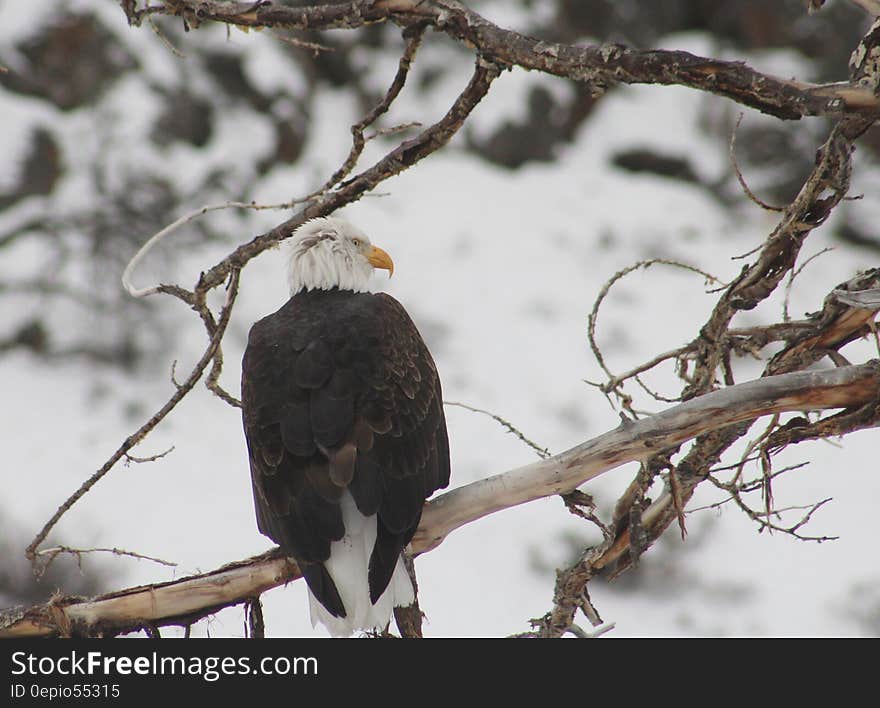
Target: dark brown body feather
(340,392)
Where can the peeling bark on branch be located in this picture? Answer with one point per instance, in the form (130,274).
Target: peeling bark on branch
(846,387)
(600,65)
(180,601)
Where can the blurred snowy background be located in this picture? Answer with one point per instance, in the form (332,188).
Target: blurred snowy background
(501,243)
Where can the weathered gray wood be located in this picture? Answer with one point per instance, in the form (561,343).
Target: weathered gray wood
(176,601)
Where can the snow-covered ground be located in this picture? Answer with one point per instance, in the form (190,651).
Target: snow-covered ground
(499,269)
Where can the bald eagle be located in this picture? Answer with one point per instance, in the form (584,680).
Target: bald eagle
(343,417)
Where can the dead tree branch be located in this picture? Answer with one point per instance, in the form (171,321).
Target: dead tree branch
(823,190)
(850,388)
(637,524)
(599,66)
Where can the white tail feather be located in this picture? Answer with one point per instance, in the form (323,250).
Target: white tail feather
(348,565)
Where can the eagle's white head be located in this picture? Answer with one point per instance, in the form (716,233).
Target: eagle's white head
(332,253)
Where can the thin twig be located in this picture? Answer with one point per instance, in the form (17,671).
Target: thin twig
(581,633)
(614,382)
(314,47)
(794,274)
(542,452)
(174,50)
(152,458)
(739,175)
(55,551)
(413,42)
(763,519)
(610,386)
(154,240)
(147,427)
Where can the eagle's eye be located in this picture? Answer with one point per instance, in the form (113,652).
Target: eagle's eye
(356,242)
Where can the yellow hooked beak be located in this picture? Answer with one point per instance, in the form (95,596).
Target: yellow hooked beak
(379,259)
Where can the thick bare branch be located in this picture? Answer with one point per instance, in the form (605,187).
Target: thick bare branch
(846,387)
(599,66)
(175,602)
(851,388)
